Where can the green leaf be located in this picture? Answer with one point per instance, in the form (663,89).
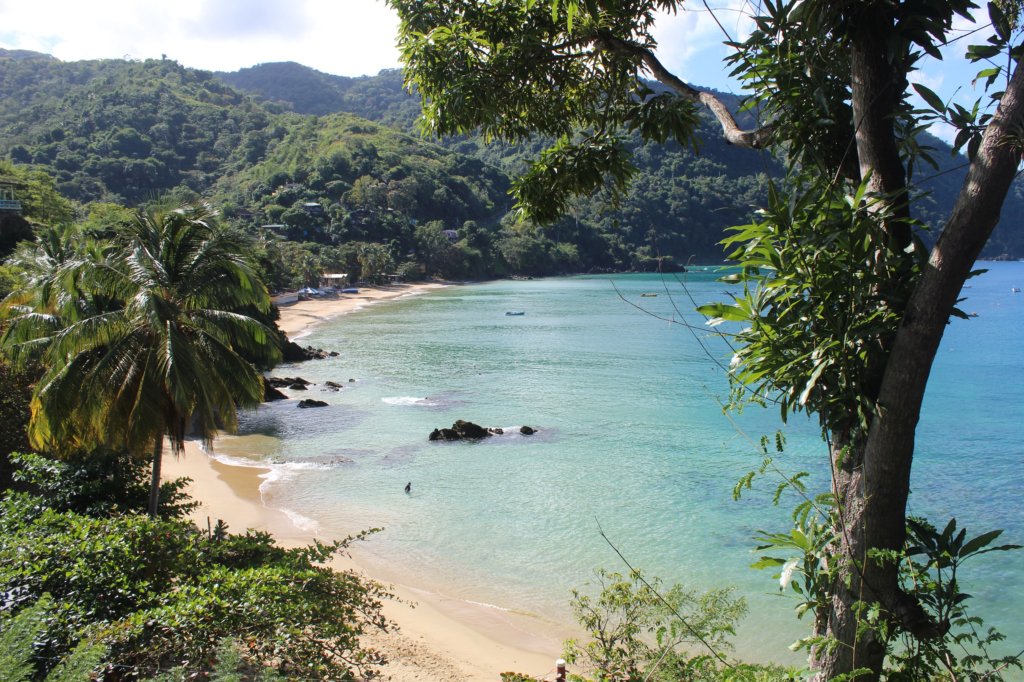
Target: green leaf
(929,96)
(974,544)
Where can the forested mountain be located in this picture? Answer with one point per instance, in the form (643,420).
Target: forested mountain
(333,162)
(679,195)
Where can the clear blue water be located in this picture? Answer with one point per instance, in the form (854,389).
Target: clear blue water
(632,440)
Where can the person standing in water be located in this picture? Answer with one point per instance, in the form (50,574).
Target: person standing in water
(408,487)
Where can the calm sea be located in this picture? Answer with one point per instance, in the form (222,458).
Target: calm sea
(626,391)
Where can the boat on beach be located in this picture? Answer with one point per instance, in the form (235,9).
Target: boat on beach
(512,313)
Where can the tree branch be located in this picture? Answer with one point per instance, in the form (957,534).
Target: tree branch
(753,139)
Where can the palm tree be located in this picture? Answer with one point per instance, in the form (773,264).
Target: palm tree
(156,345)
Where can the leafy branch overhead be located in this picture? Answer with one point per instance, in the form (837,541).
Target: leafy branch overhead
(571,71)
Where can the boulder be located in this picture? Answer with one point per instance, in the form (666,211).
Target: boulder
(287,382)
(311,403)
(527,430)
(463,430)
(271,394)
(470,430)
(332,386)
(444,434)
(293,352)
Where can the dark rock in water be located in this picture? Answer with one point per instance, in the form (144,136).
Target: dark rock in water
(331,386)
(287,382)
(527,430)
(444,434)
(298,387)
(470,430)
(351,381)
(271,394)
(293,352)
(312,403)
(463,430)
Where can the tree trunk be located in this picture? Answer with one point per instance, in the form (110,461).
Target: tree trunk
(873,480)
(154,484)
(876,89)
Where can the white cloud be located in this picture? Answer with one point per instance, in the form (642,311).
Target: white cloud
(690,43)
(347,37)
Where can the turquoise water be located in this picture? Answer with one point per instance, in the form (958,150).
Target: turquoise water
(632,440)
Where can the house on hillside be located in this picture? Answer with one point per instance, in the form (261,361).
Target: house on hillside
(8,202)
(14,227)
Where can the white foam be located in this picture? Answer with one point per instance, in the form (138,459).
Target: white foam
(283,471)
(487,606)
(239,461)
(409,400)
(303,523)
(276,472)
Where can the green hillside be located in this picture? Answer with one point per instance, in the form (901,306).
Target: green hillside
(336,164)
(684,197)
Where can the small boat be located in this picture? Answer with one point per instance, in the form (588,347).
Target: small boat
(648,295)
(511,313)
(1015,290)
(350,290)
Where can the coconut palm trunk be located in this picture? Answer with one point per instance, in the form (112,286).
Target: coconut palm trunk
(154,485)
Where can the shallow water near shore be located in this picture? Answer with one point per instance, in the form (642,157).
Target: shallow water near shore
(625,390)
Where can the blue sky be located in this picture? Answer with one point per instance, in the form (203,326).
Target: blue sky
(344,37)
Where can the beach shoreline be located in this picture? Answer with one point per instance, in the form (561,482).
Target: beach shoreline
(438,638)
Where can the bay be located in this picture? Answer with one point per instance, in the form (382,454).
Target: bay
(633,454)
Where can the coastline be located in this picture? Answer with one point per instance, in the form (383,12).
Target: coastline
(438,638)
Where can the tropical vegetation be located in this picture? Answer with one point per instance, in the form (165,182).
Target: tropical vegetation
(131,323)
(296,162)
(140,336)
(91,584)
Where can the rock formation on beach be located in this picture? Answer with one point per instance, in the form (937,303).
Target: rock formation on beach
(309,402)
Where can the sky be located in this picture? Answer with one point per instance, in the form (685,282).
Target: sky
(341,37)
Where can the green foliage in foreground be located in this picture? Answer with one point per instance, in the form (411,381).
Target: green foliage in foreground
(23,631)
(930,566)
(159,594)
(642,630)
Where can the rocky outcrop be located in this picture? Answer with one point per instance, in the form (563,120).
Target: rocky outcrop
(293,352)
(527,430)
(311,403)
(463,430)
(296,383)
(332,386)
(270,393)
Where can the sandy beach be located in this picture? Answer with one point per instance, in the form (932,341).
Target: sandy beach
(438,639)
